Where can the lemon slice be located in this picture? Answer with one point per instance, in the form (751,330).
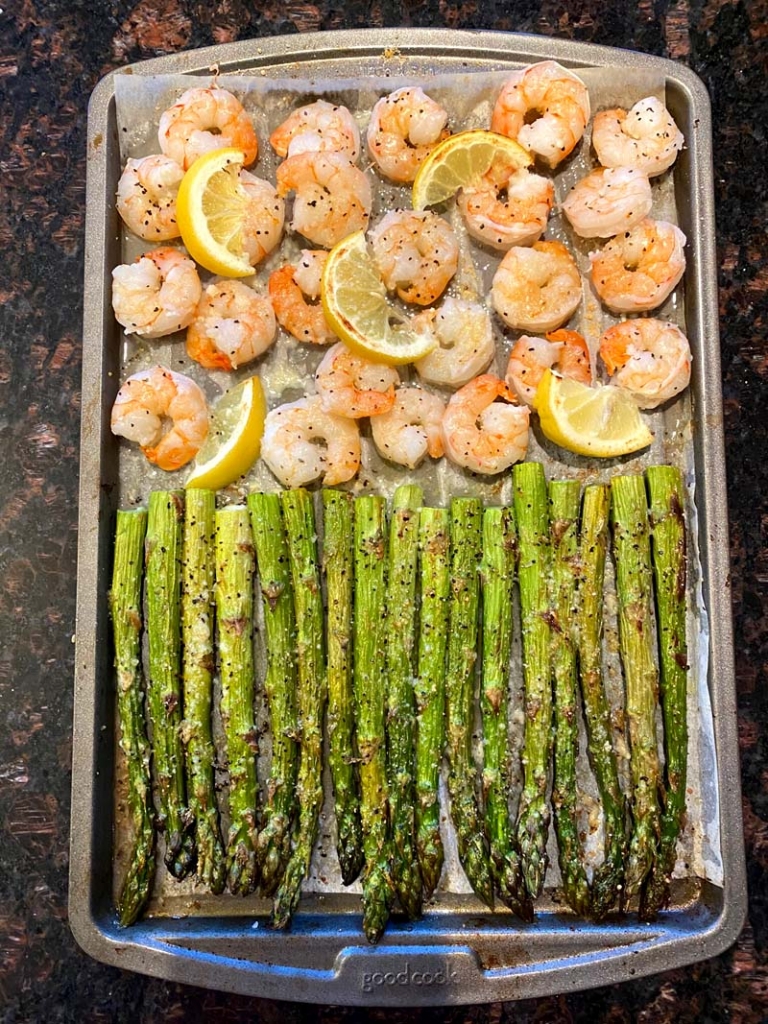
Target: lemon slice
(210,208)
(357,308)
(461,160)
(234,438)
(602,421)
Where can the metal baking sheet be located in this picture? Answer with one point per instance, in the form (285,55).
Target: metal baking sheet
(459,952)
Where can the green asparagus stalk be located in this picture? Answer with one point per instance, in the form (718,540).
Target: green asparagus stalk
(497,576)
(564,499)
(668,549)
(273,846)
(234,608)
(125,604)
(370,699)
(434,544)
(163,558)
(466,552)
(338,559)
(401,713)
(197,631)
(608,878)
(535,560)
(299,517)
(631,548)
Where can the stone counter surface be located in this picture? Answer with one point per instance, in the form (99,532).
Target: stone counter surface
(52,54)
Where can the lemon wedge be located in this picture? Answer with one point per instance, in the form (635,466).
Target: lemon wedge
(210,209)
(461,160)
(599,421)
(234,437)
(357,308)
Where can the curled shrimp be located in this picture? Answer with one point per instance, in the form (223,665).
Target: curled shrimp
(146,197)
(638,269)
(645,137)
(262,224)
(404,128)
(536,288)
(294,290)
(151,399)
(465,345)
(530,357)
(417,254)
(480,432)
(317,127)
(157,294)
(607,201)
(545,107)
(651,359)
(303,443)
(508,206)
(411,429)
(333,197)
(205,119)
(232,325)
(351,386)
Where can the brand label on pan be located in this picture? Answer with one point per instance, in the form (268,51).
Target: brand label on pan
(408,977)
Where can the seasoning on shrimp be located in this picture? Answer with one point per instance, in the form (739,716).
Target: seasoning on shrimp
(349,385)
(544,107)
(303,443)
(645,137)
(417,254)
(536,288)
(648,358)
(295,291)
(157,294)
(607,201)
(465,345)
(205,119)
(333,197)
(638,269)
(411,429)
(530,357)
(405,127)
(484,429)
(151,400)
(146,197)
(318,127)
(508,206)
(232,326)
(262,225)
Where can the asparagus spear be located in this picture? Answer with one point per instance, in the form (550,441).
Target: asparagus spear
(497,576)
(665,488)
(197,618)
(274,842)
(535,555)
(631,548)
(299,516)
(434,543)
(564,498)
(607,880)
(338,558)
(234,607)
(125,604)
(466,552)
(369,684)
(163,557)
(400,666)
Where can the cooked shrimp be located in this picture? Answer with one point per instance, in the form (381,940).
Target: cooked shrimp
(146,197)
(156,295)
(482,434)
(151,399)
(417,254)
(333,197)
(262,226)
(646,137)
(302,443)
(465,345)
(537,288)
(354,387)
(508,206)
(607,201)
(318,127)
(411,428)
(205,119)
(545,107)
(638,269)
(295,290)
(530,357)
(651,359)
(404,128)
(232,325)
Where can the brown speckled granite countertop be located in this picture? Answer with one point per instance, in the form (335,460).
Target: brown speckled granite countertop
(52,53)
